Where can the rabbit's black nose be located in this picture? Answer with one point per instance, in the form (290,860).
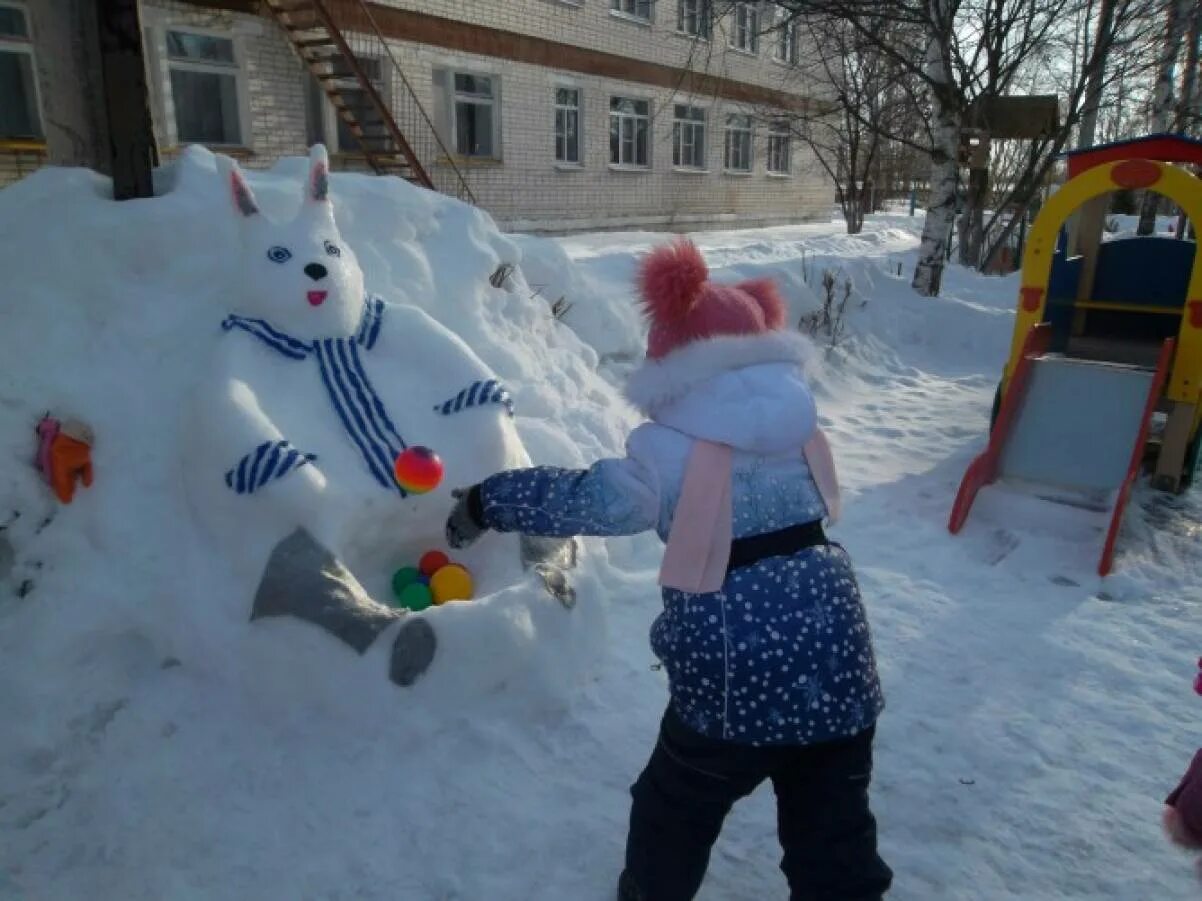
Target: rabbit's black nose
(316,271)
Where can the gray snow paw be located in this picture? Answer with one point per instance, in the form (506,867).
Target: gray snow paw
(412,651)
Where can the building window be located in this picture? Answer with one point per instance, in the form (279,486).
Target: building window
(779,141)
(694,17)
(738,144)
(786,50)
(636,9)
(475,120)
(745,33)
(688,137)
(19,116)
(373,68)
(567,125)
(204,88)
(629,132)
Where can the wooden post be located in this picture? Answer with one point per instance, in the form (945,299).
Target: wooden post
(68,63)
(1090,221)
(1170,465)
(126,99)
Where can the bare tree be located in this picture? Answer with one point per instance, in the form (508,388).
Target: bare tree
(1188,119)
(1178,14)
(863,109)
(963,53)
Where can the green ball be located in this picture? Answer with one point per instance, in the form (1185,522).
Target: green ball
(416,597)
(402,578)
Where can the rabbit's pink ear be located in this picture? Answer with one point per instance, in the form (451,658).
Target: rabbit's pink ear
(317,187)
(240,192)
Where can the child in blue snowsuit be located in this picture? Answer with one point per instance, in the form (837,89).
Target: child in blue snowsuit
(763,635)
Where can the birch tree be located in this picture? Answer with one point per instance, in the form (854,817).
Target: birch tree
(966,52)
(1179,13)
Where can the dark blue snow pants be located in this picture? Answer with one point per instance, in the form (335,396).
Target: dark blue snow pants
(826,830)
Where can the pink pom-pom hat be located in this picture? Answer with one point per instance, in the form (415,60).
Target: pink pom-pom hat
(683,306)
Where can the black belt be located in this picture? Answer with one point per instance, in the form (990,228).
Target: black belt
(782,543)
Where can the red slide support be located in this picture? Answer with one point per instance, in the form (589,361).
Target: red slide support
(1163,365)
(983,470)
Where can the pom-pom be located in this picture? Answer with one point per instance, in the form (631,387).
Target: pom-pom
(671,279)
(766,295)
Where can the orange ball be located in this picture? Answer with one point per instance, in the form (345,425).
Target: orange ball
(451,583)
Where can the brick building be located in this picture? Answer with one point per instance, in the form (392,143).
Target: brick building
(555,114)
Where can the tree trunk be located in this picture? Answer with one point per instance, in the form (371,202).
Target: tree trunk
(1093,89)
(1162,104)
(855,219)
(127,101)
(68,63)
(972,220)
(1187,110)
(941,201)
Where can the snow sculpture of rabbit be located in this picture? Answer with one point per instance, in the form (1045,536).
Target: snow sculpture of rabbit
(315,389)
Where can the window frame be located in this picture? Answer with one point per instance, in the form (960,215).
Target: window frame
(236,69)
(751,27)
(634,117)
(704,16)
(618,11)
(728,131)
(557,108)
(698,147)
(330,123)
(778,131)
(787,38)
(24,46)
(493,101)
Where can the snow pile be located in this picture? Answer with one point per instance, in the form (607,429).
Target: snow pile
(155,747)
(114,316)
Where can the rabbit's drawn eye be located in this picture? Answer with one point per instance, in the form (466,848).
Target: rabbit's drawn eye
(279,254)
(332,249)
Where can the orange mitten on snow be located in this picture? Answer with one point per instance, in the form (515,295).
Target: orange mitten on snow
(65,455)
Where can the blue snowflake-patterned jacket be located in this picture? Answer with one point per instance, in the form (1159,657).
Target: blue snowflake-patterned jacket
(782,653)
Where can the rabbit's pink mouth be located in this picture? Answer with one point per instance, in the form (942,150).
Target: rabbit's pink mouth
(316,297)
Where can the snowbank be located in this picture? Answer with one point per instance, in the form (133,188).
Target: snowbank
(114,602)
(149,750)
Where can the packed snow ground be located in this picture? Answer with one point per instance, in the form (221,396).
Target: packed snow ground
(1037,716)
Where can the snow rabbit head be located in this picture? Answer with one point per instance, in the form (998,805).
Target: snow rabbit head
(298,276)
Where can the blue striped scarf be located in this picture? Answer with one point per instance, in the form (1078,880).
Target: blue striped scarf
(356,402)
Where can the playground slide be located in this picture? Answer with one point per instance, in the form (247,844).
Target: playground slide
(1073,429)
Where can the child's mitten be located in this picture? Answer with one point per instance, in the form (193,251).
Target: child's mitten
(466,523)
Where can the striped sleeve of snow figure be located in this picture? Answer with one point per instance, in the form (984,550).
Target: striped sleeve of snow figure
(270,336)
(269,461)
(477,394)
(369,328)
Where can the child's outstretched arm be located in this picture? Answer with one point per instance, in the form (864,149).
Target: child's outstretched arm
(612,497)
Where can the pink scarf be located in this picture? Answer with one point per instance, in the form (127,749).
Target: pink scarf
(699,542)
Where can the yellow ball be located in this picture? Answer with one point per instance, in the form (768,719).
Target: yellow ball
(451,583)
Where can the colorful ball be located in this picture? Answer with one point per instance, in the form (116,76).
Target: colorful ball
(432,562)
(415,597)
(402,578)
(418,470)
(451,583)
